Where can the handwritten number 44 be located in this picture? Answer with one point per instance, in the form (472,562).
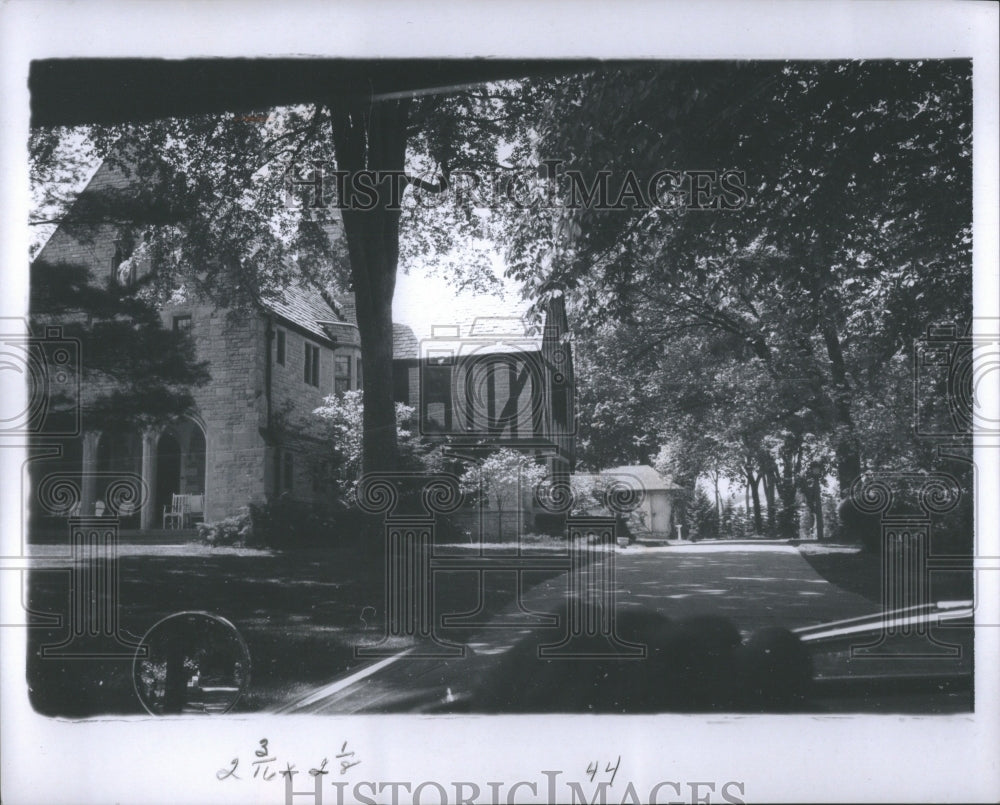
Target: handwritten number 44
(594,767)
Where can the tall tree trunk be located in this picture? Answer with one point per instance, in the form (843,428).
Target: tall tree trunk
(848,453)
(769,473)
(820,536)
(372,137)
(758,520)
(788,521)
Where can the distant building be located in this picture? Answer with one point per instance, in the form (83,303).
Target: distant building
(483,380)
(654,516)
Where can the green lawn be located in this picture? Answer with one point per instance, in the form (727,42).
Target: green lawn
(301,614)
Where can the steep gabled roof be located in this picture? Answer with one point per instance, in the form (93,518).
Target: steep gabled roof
(642,476)
(464,315)
(305,307)
(404,342)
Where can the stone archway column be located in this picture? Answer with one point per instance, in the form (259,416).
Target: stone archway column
(148,513)
(88,480)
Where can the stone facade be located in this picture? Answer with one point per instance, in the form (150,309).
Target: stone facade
(251,434)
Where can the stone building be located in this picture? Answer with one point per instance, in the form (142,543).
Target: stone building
(251,434)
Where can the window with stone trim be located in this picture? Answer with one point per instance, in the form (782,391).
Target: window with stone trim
(310,370)
(341,373)
(279,347)
(284,471)
(122,268)
(182,323)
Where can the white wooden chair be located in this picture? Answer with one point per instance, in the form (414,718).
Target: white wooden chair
(173,515)
(194,510)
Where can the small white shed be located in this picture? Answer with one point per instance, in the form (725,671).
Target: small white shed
(654,517)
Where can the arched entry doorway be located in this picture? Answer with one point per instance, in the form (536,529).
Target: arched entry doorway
(193,465)
(168,470)
(119,452)
(179,467)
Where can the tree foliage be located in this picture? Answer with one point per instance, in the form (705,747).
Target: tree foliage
(342,416)
(504,478)
(136,371)
(756,340)
(231,206)
(776,333)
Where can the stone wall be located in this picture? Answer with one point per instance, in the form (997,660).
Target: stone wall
(231,407)
(300,433)
(91,245)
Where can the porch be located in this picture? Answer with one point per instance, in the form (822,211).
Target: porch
(170,460)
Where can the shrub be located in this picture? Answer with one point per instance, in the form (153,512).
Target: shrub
(342,416)
(703,517)
(286,523)
(236,530)
(503,478)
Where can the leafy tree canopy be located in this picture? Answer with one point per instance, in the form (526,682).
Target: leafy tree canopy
(788,312)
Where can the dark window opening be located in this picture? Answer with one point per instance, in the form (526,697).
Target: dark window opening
(560,405)
(122,270)
(341,373)
(310,372)
(279,347)
(436,392)
(182,323)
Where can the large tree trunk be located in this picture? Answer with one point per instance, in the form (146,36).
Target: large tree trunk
(769,474)
(788,520)
(847,450)
(372,137)
(758,520)
(820,526)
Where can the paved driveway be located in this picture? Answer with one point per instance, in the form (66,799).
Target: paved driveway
(752,585)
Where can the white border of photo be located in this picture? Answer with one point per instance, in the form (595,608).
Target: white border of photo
(776,758)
